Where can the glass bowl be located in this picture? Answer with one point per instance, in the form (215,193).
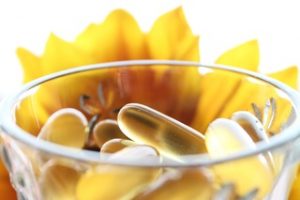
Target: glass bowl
(192,97)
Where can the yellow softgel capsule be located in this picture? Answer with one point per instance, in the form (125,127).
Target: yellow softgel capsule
(118,182)
(115,145)
(251,125)
(255,130)
(180,185)
(224,137)
(58,181)
(137,154)
(169,136)
(106,130)
(66,127)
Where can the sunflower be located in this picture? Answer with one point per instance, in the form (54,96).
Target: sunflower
(119,37)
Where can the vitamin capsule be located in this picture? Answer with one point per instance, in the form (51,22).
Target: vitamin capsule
(184,184)
(142,153)
(254,128)
(115,145)
(251,125)
(106,130)
(148,126)
(118,182)
(58,181)
(224,137)
(66,127)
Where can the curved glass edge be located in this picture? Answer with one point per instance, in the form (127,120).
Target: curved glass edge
(9,127)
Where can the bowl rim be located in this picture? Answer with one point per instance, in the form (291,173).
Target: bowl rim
(10,128)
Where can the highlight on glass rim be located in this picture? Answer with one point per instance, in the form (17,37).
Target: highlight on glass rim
(121,113)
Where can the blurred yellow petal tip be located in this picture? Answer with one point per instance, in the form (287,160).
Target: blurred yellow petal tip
(27,58)
(176,12)
(53,39)
(177,15)
(288,76)
(53,44)
(60,54)
(171,38)
(120,13)
(245,56)
(30,64)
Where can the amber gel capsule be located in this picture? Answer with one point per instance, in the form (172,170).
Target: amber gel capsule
(169,136)
(115,145)
(106,130)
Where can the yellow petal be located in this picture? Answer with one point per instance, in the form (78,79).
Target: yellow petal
(242,97)
(216,90)
(31,64)
(285,111)
(288,76)
(258,93)
(188,49)
(60,55)
(172,38)
(49,97)
(185,92)
(244,56)
(30,114)
(83,40)
(117,38)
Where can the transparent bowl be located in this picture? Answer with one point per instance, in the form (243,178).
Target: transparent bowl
(189,92)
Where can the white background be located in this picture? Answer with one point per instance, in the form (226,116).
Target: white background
(221,25)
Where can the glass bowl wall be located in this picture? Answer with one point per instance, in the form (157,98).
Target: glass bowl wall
(193,94)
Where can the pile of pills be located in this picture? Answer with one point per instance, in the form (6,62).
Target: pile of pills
(141,132)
